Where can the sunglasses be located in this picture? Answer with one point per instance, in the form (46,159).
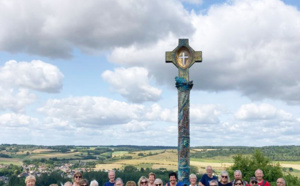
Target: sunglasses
(212,185)
(224,176)
(158,184)
(84,185)
(144,182)
(254,182)
(78,176)
(238,184)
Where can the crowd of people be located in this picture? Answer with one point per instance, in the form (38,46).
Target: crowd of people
(207,179)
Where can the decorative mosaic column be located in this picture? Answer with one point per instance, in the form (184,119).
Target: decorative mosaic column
(183,57)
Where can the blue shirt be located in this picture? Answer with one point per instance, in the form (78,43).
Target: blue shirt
(205,179)
(109,184)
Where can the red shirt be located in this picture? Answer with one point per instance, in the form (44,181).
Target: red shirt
(266,184)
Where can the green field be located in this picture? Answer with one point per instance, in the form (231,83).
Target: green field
(146,157)
(8,161)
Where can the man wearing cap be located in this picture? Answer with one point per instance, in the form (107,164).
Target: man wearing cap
(259,177)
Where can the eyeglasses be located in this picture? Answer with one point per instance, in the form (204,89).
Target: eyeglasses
(224,176)
(144,182)
(78,176)
(84,185)
(238,184)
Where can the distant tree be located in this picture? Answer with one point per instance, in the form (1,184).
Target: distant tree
(291,180)
(194,169)
(130,168)
(14,180)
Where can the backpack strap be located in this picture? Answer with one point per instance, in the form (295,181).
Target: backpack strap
(264,183)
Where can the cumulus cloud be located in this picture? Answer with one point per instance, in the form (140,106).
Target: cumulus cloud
(133,84)
(205,114)
(17,120)
(253,125)
(136,126)
(36,75)
(18,78)
(52,28)
(244,44)
(248,46)
(15,100)
(261,112)
(93,111)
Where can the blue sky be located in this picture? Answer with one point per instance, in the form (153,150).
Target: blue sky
(94,73)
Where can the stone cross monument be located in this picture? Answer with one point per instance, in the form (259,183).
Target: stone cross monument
(183,57)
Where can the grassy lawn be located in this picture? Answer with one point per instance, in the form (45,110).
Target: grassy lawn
(8,161)
(119,153)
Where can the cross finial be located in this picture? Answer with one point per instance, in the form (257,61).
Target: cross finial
(183,57)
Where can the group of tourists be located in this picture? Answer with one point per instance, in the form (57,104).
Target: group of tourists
(208,179)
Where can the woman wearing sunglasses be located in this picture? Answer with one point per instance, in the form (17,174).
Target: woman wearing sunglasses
(143,181)
(224,179)
(238,182)
(77,178)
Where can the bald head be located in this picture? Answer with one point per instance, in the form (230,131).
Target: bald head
(280,182)
(259,175)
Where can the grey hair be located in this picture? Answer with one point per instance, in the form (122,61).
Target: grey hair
(238,171)
(158,181)
(258,170)
(193,176)
(119,179)
(111,171)
(94,183)
(282,180)
(225,172)
(209,166)
(214,181)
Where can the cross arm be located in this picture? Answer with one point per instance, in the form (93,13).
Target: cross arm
(170,58)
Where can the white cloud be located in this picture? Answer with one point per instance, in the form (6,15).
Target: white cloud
(244,45)
(17,79)
(205,114)
(36,75)
(17,120)
(133,84)
(53,28)
(136,126)
(15,100)
(248,46)
(92,111)
(261,112)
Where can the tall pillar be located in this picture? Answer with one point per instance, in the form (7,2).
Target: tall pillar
(183,57)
